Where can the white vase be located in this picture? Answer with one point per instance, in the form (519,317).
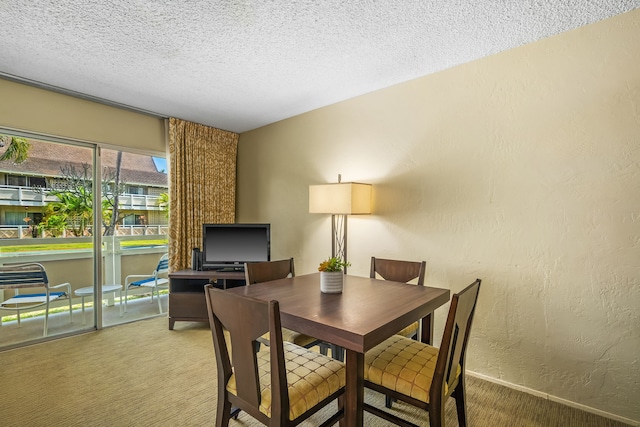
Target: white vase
(331,282)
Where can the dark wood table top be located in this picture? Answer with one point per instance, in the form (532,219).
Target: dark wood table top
(366,313)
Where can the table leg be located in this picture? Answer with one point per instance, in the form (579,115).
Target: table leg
(354,393)
(111,299)
(83,320)
(427,329)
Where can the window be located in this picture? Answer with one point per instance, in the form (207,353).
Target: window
(55,226)
(18,181)
(26,181)
(132,189)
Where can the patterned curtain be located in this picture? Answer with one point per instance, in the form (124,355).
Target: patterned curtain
(202,185)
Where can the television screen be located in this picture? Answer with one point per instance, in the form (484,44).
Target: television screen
(231,245)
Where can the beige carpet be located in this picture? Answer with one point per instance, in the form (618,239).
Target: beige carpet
(142,374)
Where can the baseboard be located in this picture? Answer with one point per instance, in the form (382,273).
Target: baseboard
(552,398)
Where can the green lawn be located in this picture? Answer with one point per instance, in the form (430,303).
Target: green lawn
(62,245)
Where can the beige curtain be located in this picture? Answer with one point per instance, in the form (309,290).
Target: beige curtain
(202,185)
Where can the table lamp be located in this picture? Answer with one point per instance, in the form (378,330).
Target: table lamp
(340,200)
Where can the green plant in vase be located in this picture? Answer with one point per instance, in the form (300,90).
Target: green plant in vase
(333,264)
(331,275)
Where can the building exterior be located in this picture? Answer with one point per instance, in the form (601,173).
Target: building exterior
(24,188)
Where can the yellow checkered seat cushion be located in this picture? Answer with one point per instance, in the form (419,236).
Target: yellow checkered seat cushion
(291,336)
(410,330)
(311,377)
(403,365)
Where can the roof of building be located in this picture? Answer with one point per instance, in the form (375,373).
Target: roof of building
(48,159)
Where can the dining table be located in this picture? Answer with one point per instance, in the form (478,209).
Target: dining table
(364,314)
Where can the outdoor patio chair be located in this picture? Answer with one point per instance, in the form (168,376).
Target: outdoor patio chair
(31,275)
(152,281)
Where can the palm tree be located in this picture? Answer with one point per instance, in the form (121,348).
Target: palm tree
(74,207)
(163,203)
(17,150)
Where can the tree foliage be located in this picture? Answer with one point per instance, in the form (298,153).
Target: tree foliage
(163,203)
(74,208)
(18,149)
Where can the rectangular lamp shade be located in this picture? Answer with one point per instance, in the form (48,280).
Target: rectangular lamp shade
(347,198)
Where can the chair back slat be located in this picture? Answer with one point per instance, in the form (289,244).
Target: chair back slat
(24,275)
(257,272)
(245,319)
(397,270)
(455,338)
(163,265)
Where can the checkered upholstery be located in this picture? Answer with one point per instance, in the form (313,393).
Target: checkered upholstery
(311,377)
(403,365)
(292,336)
(410,330)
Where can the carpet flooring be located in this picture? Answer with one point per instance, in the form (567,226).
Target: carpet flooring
(142,374)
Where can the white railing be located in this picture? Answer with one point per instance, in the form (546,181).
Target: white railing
(19,196)
(137,201)
(25,231)
(25,196)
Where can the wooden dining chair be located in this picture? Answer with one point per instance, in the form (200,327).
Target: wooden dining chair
(400,271)
(280,385)
(422,375)
(258,272)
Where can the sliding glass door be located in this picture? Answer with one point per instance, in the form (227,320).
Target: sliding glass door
(46,218)
(99,238)
(135,233)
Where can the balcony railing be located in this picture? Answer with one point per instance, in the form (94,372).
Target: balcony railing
(23,196)
(121,256)
(25,231)
(11,195)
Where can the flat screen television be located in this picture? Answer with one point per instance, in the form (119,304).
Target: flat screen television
(229,246)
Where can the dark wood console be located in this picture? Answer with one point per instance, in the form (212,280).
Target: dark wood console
(186,292)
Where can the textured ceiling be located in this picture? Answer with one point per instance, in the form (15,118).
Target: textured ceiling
(241,64)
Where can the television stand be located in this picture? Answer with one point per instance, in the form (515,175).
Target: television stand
(186,292)
(230,269)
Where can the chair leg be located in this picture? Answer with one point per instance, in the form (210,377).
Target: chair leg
(337,352)
(461,406)
(436,414)
(235,412)
(158,298)
(46,320)
(70,310)
(223,413)
(388,401)
(324,348)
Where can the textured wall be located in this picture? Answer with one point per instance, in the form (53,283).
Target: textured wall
(522,169)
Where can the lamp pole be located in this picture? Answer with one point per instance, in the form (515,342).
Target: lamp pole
(339,237)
